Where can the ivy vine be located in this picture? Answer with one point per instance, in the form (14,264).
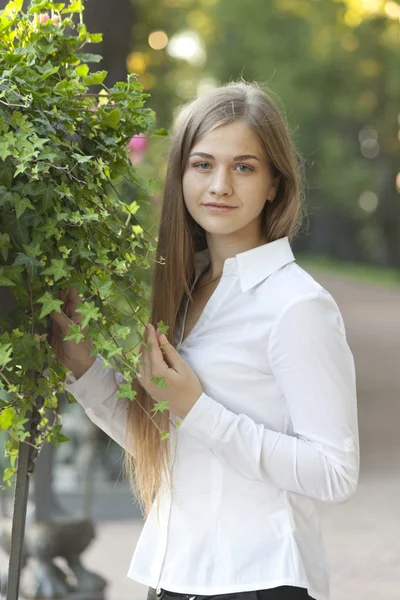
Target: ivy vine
(63,224)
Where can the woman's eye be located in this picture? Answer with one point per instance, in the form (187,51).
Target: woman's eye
(245,167)
(204,166)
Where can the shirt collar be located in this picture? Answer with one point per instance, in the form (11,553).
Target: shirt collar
(254,265)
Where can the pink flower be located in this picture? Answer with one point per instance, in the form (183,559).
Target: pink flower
(57,19)
(137,147)
(138,143)
(42,18)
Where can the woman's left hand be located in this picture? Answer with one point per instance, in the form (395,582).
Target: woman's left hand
(183,387)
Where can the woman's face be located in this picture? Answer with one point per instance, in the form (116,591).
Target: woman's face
(227,166)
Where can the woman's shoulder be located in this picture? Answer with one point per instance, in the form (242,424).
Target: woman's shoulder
(291,284)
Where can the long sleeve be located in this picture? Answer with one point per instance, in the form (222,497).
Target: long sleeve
(314,369)
(96,392)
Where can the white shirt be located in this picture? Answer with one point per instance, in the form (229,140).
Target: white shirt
(275,428)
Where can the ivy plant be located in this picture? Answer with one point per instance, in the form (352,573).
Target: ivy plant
(63,224)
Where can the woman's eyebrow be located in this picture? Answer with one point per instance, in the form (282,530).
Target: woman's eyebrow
(240,157)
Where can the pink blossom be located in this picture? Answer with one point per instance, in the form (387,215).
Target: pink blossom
(138,143)
(56,19)
(42,17)
(137,147)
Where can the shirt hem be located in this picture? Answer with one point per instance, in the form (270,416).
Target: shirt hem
(250,587)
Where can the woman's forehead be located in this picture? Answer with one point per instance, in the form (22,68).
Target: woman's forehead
(233,139)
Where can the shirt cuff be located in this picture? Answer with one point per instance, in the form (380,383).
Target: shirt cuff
(94,386)
(203,418)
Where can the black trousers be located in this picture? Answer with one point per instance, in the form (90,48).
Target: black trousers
(284,592)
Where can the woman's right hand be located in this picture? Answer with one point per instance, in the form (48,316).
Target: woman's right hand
(73,356)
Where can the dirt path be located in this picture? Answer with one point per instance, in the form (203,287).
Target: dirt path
(363,535)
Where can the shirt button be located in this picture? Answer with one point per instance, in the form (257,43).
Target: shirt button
(158,591)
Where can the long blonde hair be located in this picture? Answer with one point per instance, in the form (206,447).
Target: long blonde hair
(147,457)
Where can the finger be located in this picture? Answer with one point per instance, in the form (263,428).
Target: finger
(62,294)
(162,344)
(62,321)
(144,363)
(73,302)
(73,297)
(157,362)
(172,357)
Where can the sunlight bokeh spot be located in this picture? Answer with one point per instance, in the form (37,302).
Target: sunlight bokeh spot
(136,62)
(368,201)
(158,40)
(187,45)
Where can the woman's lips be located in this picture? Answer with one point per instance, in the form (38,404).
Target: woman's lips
(219,209)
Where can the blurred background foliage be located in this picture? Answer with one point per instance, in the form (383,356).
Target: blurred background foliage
(333,67)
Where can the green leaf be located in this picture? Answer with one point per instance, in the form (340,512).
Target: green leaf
(31,263)
(8,473)
(5,244)
(112,118)
(25,345)
(15,5)
(104,288)
(86,57)
(75,333)
(6,175)
(126,391)
(160,406)
(61,438)
(47,70)
(88,311)
(95,78)
(82,70)
(81,158)
(18,119)
(49,229)
(21,204)
(6,196)
(165,435)
(17,229)
(56,437)
(121,331)
(58,269)
(64,87)
(6,351)
(33,188)
(6,418)
(159,381)
(163,327)
(49,304)
(102,345)
(162,132)
(95,38)
(33,249)
(74,7)
(4,280)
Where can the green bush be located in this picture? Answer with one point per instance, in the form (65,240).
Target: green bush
(63,151)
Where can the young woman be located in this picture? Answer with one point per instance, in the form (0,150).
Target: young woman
(261,384)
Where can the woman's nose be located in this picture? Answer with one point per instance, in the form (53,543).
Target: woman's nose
(220,183)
